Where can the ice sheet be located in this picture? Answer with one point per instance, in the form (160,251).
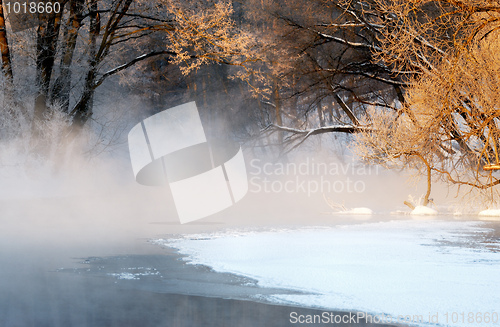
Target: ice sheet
(415,268)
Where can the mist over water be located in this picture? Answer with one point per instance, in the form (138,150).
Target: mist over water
(97,198)
(55,216)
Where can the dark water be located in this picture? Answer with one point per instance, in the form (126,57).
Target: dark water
(61,263)
(64,265)
(163,292)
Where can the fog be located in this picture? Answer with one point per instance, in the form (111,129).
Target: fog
(96,208)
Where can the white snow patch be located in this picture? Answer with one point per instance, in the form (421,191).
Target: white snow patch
(490,213)
(423,211)
(399,268)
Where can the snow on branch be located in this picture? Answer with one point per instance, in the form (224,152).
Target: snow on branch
(130,63)
(304,134)
(346,42)
(345,128)
(333,38)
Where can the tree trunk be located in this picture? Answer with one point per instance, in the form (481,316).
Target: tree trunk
(46,47)
(83,109)
(279,119)
(8,91)
(62,85)
(429,184)
(5,50)
(347,110)
(321,114)
(329,109)
(429,177)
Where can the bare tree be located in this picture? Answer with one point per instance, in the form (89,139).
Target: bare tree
(323,55)
(449,119)
(4,48)
(80,47)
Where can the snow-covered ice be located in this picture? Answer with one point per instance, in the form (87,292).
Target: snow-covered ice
(490,214)
(423,211)
(417,268)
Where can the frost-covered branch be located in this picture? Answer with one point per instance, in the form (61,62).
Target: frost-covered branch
(130,63)
(347,128)
(299,136)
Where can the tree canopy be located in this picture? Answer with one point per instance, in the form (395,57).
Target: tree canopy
(416,80)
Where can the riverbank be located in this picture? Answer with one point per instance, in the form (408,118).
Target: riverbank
(157,290)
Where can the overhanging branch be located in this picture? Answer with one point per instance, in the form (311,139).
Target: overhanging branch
(130,63)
